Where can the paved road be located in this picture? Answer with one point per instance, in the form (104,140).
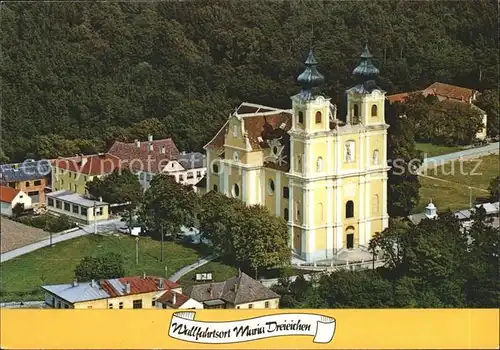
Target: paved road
(186,269)
(468,153)
(103,226)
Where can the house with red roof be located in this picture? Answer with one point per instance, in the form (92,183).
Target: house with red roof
(133,292)
(10,197)
(447,92)
(73,173)
(152,157)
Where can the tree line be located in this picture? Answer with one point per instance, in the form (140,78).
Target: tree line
(75,76)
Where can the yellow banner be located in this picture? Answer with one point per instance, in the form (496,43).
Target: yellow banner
(250,329)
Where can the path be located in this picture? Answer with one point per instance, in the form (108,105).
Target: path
(103,226)
(469,153)
(455,183)
(186,269)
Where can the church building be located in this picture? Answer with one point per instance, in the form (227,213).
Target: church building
(326,177)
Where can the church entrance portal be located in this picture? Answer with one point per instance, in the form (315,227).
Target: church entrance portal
(350,241)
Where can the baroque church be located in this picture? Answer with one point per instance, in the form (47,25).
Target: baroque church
(326,177)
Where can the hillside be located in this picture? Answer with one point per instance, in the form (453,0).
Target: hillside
(75,76)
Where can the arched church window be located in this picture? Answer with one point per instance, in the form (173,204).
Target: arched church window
(236,157)
(349,209)
(318,117)
(319,165)
(285,214)
(301,117)
(375,157)
(297,211)
(356,111)
(374,110)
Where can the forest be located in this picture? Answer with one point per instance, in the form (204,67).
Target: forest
(75,76)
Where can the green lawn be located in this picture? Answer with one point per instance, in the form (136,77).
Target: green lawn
(431,150)
(22,276)
(456,195)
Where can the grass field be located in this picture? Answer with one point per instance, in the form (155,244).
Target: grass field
(434,150)
(455,193)
(22,276)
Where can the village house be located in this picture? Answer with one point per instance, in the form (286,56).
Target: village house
(77,206)
(160,156)
(239,292)
(449,93)
(31,177)
(10,197)
(136,292)
(73,173)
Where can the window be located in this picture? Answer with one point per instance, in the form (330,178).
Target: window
(21,196)
(349,151)
(153,302)
(76,209)
(83,211)
(374,110)
(37,182)
(164,306)
(238,307)
(148,177)
(375,157)
(285,214)
(236,190)
(62,182)
(141,176)
(270,186)
(266,305)
(235,130)
(297,211)
(319,165)
(110,306)
(236,157)
(12,184)
(356,111)
(250,306)
(33,193)
(98,211)
(66,306)
(181,178)
(215,188)
(286,192)
(50,201)
(198,174)
(215,168)
(120,305)
(58,304)
(85,178)
(318,117)
(190,175)
(349,209)
(27,184)
(58,204)
(67,206)
(137,304)
(301,117)
(89,307)
(53,302)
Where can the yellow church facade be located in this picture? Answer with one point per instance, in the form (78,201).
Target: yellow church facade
(326,177)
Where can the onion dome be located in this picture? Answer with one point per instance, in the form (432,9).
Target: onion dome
(365,68)
(310,77)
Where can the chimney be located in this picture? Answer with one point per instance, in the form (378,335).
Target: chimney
(150,138)
(93,283)
(137,143)
(144,275)
(75,282)
(127,288)
(100,199)
(162,283)
(174,297)
(150,146)
(162,150)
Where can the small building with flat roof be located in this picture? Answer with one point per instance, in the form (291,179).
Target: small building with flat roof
(77,206)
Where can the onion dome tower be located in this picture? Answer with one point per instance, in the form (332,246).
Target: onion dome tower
(366,72)
(310,78)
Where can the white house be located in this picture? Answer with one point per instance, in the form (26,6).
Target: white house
(10,197)
(76,206)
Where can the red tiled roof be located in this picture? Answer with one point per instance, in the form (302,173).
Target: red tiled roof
(141,157)
(398,97)
(96,164)
(449,91)
(7,194)
(138,285)
(255,127)
(168,298)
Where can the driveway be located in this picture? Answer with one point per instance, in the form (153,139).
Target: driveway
(492,148)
